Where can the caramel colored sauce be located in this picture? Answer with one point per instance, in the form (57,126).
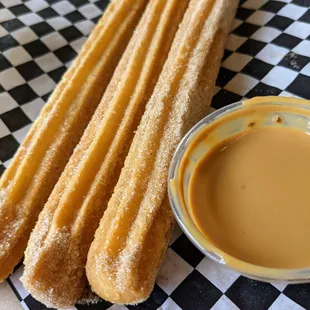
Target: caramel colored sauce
(250,196)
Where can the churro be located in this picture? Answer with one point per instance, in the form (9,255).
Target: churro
(57,251)
(36,167)
(132,238)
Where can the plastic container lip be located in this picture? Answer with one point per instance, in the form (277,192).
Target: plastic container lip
(188,226)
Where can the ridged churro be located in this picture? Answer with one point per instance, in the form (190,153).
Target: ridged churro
(36,167)
(132,238)
(57,251)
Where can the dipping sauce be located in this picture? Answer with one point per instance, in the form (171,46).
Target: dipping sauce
(250,196)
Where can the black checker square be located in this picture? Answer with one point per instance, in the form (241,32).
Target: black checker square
(299,293)
(12,25)
(272,6)
(305,3)
(65,54)
(57,73)
(7,42)
(75,16)
(48,13)
(244,13)
(257,68)
(8,147)
(306,17)
(19,9)
(300,86)
(71,33)
(2,169)
(243,288)
(223,98)
(224,76)
(184,248)
(34,304)
(246,29)
(4,63)
(15,119)
(36,48)
(42,29)
(294,61)
(280,22)
(251,47)
(156,299)
(79,3)
(23,94)
(262,89)
(29,70)
(196,292)
(286,40)
(102,4)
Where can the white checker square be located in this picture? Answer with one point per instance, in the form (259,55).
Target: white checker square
(299,30)
(30,19)
(85,27)
(17,55)
(241,84)
(24,305)
(306,70)
(77,44)
(7,103)
(42,85)
(54,41)
(5,15)
(17,283)
(11,78)
(3,32)
(10,3)
(266,34)
(58,23)
(36,5)
(48,62)
(292,11)
(286,94)
(90,11)
(280,286)
(33,108)
(7,163)
(4,131)
(253,4)
(284,303)
(234,42)
(63,7)
(236,23)
(260,18)
(169,304)
(224,303)
(280,77)
(172,272)
(236,62)
(215,91)
(272,54)
(20,134)
(24,35)
(117,307)
(220,276)
(303,48)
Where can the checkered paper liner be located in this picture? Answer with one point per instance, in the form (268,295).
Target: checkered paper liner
(267,53)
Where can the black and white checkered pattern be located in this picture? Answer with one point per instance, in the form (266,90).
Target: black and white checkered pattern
(268,53)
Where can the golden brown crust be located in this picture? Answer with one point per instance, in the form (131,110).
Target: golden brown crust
(27,183)
(133,234)
(57,251)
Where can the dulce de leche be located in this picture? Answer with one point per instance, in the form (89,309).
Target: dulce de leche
(250,193)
